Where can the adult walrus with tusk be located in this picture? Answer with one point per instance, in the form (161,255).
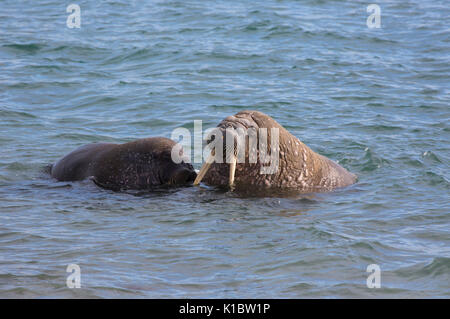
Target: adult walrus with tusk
(240,158)
(137,165)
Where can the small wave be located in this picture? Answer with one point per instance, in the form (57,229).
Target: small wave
(429,155)
(256,25)
(351,97)
(17,166)
(282,31)
(434,179)
(372,161)
(16,114)
(26,47)
(77,50)
(77,137)
(411,161)
(438,267)
(133,55)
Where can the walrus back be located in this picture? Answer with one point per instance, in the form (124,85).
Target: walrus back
(76,165)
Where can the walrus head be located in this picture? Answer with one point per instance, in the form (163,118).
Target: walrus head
(160,169)
(141,164)
(251,149)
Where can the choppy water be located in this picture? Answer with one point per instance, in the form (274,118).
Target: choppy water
(376,100)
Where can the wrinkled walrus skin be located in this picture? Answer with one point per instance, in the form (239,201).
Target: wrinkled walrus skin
(136,165)
(299,169)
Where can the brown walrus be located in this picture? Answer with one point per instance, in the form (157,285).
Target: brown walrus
(136,165)
(298,167)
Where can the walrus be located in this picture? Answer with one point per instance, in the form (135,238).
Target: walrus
(137,165)
(298,167)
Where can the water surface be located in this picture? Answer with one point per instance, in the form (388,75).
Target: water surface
(375,100)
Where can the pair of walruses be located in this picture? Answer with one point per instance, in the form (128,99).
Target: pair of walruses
(148,162)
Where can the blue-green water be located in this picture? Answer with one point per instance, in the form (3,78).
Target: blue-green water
(376,100)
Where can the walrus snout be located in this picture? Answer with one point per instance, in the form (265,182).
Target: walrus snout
(231,134)
(182,175)
(226,138)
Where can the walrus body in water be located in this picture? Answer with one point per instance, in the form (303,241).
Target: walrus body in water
(137,165)
(296,167)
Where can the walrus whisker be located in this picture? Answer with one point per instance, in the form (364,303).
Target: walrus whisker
(204,169)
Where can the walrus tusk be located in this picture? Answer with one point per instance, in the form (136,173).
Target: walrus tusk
(204,168)
(232,170)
